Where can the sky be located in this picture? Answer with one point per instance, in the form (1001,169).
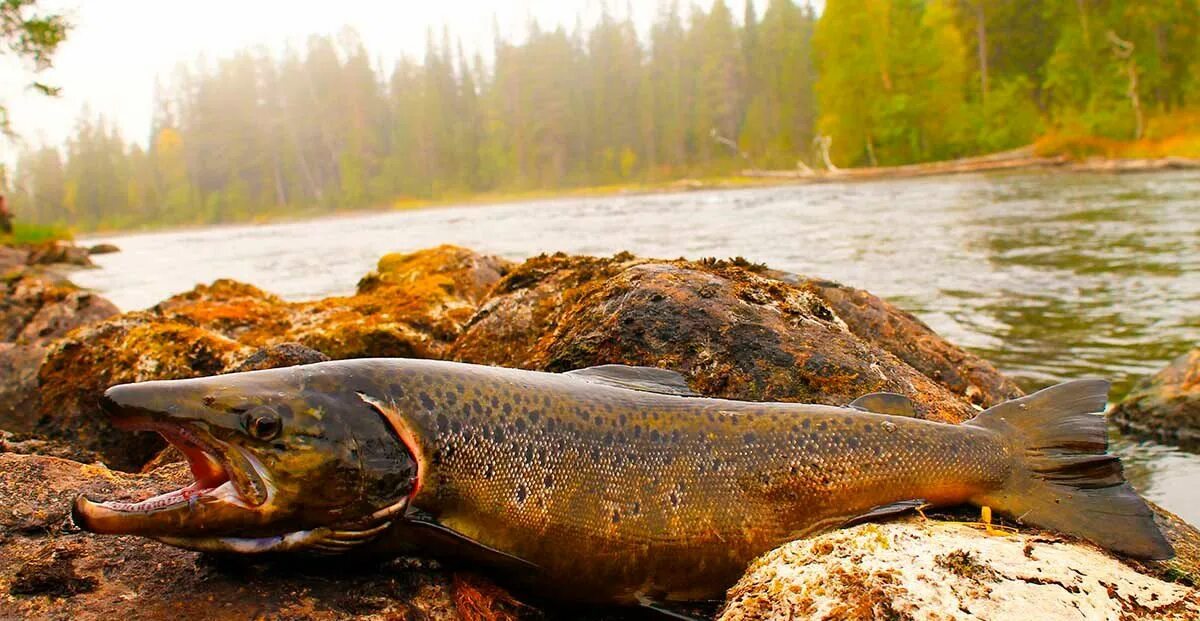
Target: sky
(117,48)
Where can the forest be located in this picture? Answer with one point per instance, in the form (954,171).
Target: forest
(699,93)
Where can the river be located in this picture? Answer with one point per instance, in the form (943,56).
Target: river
(1049,276)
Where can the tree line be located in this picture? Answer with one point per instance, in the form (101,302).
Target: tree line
(865,82)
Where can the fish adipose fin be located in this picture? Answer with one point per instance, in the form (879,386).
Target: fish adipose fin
(1063,478)
(885,403)
(645,379)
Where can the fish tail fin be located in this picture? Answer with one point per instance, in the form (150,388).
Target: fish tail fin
(1064,479)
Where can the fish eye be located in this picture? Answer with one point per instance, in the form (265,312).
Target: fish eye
(262,423)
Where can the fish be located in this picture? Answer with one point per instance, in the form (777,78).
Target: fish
(612,484)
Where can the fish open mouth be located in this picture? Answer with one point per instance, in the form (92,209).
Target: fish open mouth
(226,478)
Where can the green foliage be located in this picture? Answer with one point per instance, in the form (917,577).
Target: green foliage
(24,233)
(32,36)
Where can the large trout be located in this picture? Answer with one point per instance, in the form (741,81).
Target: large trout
(611,484)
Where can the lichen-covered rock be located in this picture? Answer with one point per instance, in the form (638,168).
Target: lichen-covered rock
(909,339)
(52,570)
(1166,404)
(12,258)
(134,347)
(103,249)
(947,571)
(414,306)
(732,329)
(58,251)
(36,310)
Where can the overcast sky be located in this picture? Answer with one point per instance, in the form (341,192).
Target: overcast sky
(118,47)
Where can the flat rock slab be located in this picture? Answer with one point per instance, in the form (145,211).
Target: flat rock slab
(915,569)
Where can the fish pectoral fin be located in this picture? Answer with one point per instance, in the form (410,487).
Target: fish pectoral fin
(645,379)
(895,508)
(885,403)
(467,548)
(689,612)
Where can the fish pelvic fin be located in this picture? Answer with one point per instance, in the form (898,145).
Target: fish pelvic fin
(1064,479)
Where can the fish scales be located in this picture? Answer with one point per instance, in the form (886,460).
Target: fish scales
(529,463)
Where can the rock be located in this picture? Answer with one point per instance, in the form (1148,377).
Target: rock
(36,310)
(18,385)
(134,347)
(12,258)
(730,327)
(943,570)
(414,306)
(103,249)
(1166,404)
(281,355)
(51,252)
(910,340)
(52,570)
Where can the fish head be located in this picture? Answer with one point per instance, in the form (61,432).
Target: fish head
(273,453)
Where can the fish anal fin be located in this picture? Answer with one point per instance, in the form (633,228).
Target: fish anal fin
(645,379)
(888,510)
(885,403)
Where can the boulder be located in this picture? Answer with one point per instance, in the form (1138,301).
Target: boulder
(18,386)
(736,330)
(103,249)
(52,570)
(59,251)
(917,569)
(35,309)
(413,306)
(1166,404)
(12,258)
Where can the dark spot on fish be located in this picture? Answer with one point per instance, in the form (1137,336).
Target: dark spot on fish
(822,426)
(455,426)
(637,508)
(498,434)
(748,438)
(443,423)
(451,398)
(867,428)
(395,391)
(621,419)
(507,408)
(852,442)
(528,454)
(654,435)
(616,516)
(426,402)
(520,425)
(546,400)
(637,431)
(548,481)
(608,439)
(522,493)
(765,478)
(459,388)
(488,470)
(534,416)
(550,424)
(595,454)
(674,498)
(477,407)
(437,458)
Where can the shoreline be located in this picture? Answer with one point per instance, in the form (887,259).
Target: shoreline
(1017,160)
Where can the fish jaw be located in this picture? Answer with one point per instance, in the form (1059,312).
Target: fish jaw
(231,489)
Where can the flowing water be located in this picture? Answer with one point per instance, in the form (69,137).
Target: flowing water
(1049,276)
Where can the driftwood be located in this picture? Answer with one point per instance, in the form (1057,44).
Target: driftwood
(1016,159)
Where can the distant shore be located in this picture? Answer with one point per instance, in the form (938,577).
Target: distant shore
(1033,157)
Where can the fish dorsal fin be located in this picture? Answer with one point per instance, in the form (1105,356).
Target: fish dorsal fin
(441,538)
(645,379)
(885,403)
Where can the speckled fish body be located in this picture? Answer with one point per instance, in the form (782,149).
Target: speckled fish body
(594,485)
(618,494)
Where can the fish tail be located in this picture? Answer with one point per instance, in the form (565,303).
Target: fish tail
(1064,479)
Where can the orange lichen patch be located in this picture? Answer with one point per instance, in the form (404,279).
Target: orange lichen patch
(456,270)
(733,328)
